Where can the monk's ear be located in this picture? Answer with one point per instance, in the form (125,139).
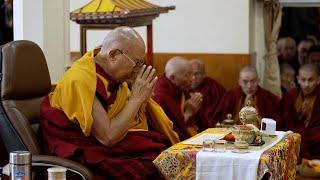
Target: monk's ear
(318,82)
(171,77)
(112,53)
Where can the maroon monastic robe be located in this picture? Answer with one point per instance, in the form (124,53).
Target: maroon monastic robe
(131,158)
(268,105)
(169,97)
(212,93)
(310,135)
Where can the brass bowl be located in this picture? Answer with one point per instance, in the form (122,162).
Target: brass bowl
(244,133)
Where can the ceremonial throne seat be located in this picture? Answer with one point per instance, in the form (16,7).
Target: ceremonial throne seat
(25,80)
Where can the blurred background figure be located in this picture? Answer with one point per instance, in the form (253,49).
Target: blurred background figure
(287,76)
(288,53)
(314,55)
(303,49)
(6,21)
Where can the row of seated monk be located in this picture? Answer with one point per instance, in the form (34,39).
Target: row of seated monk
(111,113)
(298,110)
(292,56)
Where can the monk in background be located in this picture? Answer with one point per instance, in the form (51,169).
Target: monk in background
(287,77)
(314,55)
(211,92)
(92,117)
(264,101)
(288,53)
(301,112)
(303,49)
(169,92)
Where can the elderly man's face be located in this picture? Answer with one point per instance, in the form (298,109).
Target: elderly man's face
(249,82)
(129,62)
(308,81)
(183,79)
(198,76)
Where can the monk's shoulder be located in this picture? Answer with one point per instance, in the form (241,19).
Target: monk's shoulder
(292,94)
(76,80)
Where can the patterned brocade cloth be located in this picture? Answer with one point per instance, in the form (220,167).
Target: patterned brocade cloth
(179,161)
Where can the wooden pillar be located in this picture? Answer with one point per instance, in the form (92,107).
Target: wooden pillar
(83,39)
(149,60)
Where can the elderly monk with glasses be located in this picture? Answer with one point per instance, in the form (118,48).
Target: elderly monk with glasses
(94,118)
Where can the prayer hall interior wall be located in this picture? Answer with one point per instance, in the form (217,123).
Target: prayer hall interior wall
(222,67)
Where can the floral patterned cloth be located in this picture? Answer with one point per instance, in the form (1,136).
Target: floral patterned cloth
(179,161)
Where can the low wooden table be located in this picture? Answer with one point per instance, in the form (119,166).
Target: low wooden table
(179,161)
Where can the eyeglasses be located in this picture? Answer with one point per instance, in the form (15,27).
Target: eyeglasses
(138,62)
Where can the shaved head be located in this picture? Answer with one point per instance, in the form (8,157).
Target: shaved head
(308,78)
(250,69)
(124,38)
(176,65)
(121,54)
(178,71)
(310,68)
(248,80)
(198,64)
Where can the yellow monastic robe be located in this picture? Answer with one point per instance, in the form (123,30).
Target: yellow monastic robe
(75,93)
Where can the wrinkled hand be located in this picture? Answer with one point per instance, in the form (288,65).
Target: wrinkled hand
(193,104)
(144,83)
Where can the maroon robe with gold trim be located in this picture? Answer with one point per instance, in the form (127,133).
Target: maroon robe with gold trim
(169,97)
(212,93)
(310,136)
(131,158)
(268,105)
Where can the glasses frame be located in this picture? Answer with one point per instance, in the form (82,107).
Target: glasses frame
(138,63)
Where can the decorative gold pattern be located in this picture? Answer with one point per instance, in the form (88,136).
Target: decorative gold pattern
(179,161)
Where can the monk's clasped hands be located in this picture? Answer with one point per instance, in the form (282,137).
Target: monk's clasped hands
(144,83)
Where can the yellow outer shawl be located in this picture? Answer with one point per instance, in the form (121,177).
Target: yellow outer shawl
(75,92)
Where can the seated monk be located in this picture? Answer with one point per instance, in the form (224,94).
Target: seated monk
(169,93)
(92,117)
(301,112)
(211,92)
(265,102)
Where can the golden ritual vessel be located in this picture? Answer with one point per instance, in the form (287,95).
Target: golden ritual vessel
(249,115)
(248,131)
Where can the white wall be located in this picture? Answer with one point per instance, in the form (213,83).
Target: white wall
(213,26)
(46,23)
